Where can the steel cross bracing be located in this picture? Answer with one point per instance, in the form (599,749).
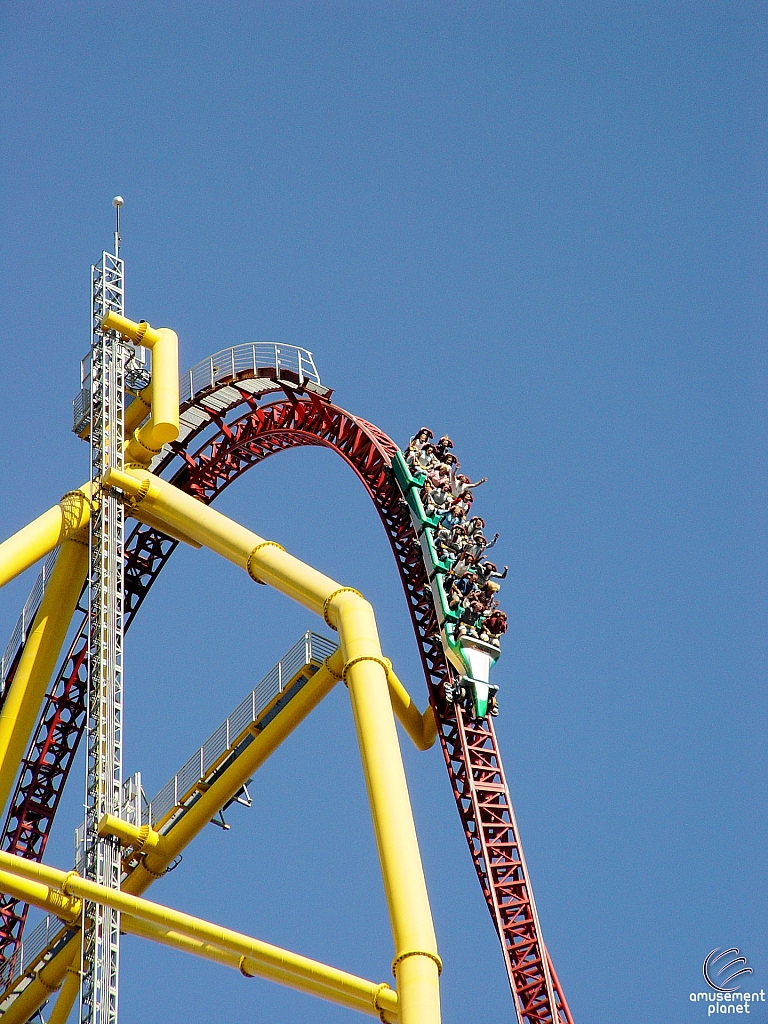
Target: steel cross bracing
(101,925)
(483,800)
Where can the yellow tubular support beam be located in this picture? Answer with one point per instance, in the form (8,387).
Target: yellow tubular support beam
(416,963)
(42,890)
(43,534)
(60,891)
(377,1000)
(422,728)
(260,558)
(170,845)
(44,984)
(66,998)
(224,788)
(146,517)
(138,410)
(38,660)
(140,839)
(163,424)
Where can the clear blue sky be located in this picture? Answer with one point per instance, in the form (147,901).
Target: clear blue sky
(541,229)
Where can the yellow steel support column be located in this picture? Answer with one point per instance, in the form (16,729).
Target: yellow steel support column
(67,997)
(416,963)
(43,534)
(38,659)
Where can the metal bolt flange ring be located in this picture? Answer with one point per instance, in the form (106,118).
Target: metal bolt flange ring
(264,544)
(417,952)
(356,661)
(65,884)
(327,602)
(379,989)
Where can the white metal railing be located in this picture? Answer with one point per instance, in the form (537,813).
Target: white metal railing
(254,356)
(30,949)
(285,362)
(310,649)
(28,612)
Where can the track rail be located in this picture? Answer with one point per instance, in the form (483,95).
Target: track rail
(470,749)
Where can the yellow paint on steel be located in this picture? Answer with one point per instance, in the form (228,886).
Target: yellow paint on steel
(38,660)
(146,517)
(47,981)
(39,888)
(264,743)
(140,333)
(140,839)
(66,998)
(243,547)
(184,831)
(138,410)
(378,1000)
(162,426)
(43,534)
(422,728)
(416,962)
(49,888)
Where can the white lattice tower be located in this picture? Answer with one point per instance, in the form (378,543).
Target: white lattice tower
(101,926)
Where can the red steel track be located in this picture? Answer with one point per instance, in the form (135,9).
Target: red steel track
(470,748)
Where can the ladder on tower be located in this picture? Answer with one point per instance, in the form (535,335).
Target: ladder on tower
(101,925)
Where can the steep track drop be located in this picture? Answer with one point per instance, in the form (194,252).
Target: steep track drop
(303,418)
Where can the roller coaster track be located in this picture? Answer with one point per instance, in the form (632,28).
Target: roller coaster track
(302,417)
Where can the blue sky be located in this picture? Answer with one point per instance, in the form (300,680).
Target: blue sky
(538,228)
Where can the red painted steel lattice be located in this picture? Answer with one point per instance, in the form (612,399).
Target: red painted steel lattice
(470,749)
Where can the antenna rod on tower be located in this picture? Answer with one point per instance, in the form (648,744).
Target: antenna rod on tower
(117,202)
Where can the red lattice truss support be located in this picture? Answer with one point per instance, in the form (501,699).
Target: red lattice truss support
(470,749)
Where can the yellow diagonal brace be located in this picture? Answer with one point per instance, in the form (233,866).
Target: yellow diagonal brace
(196,818)
(43,534)
(38,660)
(416,962)
(422,728)
(66,998)
(366,997)
(49,888)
